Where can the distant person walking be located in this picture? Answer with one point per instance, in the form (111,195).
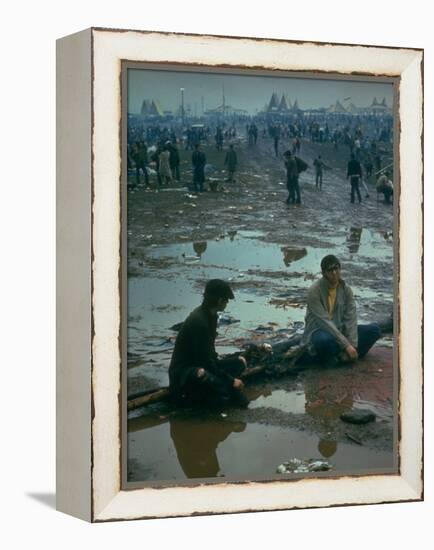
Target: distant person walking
(156,158)
(276,139)
(319,166)
(296,145)
(354,174)
(219,139)
(164,165)
(231,162)
(368,165)
(139,154)
(174,160)
(292,178)
(198,160)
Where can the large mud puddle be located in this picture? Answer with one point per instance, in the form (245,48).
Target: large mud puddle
(270,281)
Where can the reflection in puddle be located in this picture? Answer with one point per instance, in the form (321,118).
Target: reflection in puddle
(354,239)
(178,449)
(197,455)
(292,254)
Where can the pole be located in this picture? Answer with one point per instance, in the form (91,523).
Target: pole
(182,106)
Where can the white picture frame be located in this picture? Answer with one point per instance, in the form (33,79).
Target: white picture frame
(89,404)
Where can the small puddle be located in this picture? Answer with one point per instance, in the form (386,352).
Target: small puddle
(286,401)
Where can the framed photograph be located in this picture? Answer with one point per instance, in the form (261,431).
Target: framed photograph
(240,299)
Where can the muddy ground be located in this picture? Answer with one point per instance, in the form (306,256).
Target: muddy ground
(270,251)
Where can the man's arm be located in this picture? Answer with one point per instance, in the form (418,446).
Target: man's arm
(201,344)
(350,317)
(321,314)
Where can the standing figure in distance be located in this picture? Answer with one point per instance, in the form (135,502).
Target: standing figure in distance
(354,174)
(198,160)
(231,162)
(319,166)
(292,173)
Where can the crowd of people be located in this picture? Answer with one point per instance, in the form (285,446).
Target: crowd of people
(154,150)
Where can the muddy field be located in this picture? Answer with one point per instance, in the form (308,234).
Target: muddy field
(270,252)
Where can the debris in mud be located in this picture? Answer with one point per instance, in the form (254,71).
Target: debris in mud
(285,303)
(353,438)
(303,466)
(190,259)
(226,319)
(263,328)
(358,416)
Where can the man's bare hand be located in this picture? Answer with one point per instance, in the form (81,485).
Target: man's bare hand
(351,352)
(200,373)
(238,384)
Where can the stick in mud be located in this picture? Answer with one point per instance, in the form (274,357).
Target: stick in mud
(153,396)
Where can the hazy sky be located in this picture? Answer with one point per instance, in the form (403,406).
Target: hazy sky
(245,92)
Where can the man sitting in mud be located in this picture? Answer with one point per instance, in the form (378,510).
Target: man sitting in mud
(196,374)
(331,331)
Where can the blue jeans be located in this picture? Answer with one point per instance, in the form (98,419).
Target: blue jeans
(326,345)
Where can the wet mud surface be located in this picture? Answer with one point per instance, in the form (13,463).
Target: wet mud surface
(270,252)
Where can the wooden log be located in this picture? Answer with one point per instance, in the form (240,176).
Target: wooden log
(157,395)
(160,394)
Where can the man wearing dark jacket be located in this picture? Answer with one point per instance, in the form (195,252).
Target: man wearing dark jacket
(231,162)
(174,160)
(354,173)
(294,166)
(198,160)
(196,374)
(139,154)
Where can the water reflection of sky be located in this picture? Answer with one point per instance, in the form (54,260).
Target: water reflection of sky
(169,290)
(243,252)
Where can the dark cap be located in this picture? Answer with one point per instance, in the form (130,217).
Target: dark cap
(218,289)
(329,261)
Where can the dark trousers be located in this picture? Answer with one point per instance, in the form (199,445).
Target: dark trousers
(175,172)
(327,347)
(355,180)
(215,387)
(293,190)
(198,180)
(142,165)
